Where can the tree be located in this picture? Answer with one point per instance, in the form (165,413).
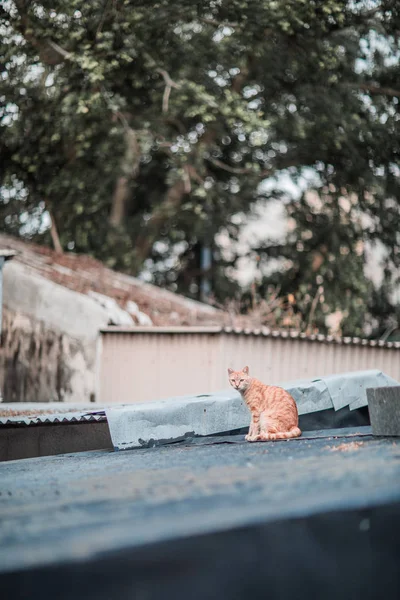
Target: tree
(140,129)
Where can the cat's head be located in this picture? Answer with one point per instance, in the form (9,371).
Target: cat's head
(240,380)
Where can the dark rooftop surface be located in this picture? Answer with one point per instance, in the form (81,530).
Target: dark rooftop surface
(71,506)
(66,512)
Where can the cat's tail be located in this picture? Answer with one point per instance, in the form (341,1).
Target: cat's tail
(284,435)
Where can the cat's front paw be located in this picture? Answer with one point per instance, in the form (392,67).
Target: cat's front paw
(251,438)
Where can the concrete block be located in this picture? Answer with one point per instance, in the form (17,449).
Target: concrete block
(384,410)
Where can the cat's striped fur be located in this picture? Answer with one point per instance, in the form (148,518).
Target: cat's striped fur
(274,413)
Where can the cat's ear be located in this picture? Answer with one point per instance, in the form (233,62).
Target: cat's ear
(246,370)
(230,371)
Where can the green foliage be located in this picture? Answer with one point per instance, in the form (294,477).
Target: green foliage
(324,256)
(143,127)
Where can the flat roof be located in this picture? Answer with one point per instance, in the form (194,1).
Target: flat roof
(72,507)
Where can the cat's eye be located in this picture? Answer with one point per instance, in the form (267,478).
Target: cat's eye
(241,380)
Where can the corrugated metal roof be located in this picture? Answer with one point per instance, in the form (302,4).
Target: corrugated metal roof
(261,331)
(168,330)
(29,414)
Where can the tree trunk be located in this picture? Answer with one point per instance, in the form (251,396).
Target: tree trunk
(119,200)
(54,235)
(129,170)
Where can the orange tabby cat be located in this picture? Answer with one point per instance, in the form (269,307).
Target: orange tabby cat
(274,413)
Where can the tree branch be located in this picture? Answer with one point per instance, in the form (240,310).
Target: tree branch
(50,53)
(103,17)
(186,180)
(162,213)
(168,81)
(377,90)
(228,168)
(240,170)
(54,234)
(216,23)
(169,84)
(59,50)
(314,303)
(370,13)
(120,116)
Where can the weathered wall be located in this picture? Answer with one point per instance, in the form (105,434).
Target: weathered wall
(38,364)
(49,337)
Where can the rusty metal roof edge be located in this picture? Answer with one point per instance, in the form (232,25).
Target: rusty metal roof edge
(164,329)
(45,419)
(260,331)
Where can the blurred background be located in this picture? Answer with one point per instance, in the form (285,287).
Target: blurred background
(243,153)
(187,186)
